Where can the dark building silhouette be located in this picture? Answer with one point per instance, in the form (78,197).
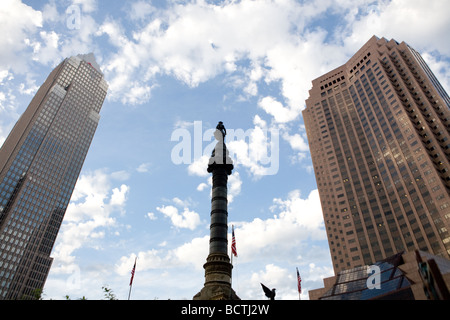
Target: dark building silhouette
(39,165)
(379,134)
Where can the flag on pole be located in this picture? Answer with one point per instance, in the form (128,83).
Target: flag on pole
(233,242)
(132,272)
(299,282)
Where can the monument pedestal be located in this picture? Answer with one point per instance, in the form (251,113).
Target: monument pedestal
(217,279)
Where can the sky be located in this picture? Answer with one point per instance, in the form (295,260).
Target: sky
(175,68)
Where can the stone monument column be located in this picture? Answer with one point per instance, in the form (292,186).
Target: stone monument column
(218,267)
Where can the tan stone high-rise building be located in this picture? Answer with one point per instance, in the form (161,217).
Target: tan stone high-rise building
(378,129)
(39,165)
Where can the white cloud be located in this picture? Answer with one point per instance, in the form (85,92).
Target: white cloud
(298,220)
(186,219)
(194,42)
(4,74)
(140,10)
(50,12)
(91,209)
(46,51)
(202,186)
(29,87)
(182,203)
(121,175)
(192,254)
(272,273)
(296,141)
(198,166)
(17,22)
(86,5)
(257,150)
(298,144)
(151,216)
(123,68)
(234,186)
(303,212)
(440,68)
(258,121)
(317,273)
(422,24)
(119,196)
(273,277)
(277,110)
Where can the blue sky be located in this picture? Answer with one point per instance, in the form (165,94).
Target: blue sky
(176,68)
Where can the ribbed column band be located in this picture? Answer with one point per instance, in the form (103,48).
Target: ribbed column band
(218,242)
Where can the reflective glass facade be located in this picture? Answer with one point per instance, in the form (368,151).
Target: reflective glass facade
(378,131)
(356,284)
(39,165)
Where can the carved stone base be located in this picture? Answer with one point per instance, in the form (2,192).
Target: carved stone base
(216,293)
(217,279)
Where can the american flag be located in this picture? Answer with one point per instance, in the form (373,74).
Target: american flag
(132,272)
(299,282)
(233,242)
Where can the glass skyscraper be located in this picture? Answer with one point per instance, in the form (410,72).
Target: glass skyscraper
(39,165)
(379,134)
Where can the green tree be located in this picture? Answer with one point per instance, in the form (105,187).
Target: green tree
(36,294)
(109,294)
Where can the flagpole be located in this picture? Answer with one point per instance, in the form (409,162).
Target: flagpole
(233,252)
(129,293)
(132,276)
(231,275)
(231,258)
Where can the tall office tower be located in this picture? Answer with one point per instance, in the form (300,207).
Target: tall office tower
(378,130)
(39,165)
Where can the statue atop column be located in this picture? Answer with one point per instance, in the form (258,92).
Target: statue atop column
(220,154)
(222,129)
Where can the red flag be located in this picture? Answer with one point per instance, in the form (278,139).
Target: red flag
(299,282)
(132,272)
(233,242)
